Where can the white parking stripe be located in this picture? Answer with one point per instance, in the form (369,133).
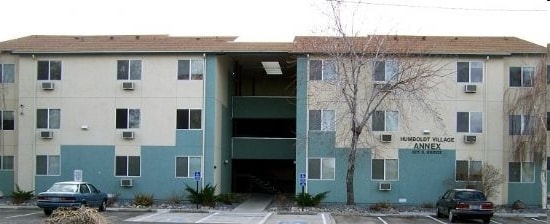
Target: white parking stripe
(538,220)
(437,220)
(15,216)
(382,220)
(324,218)
(266,217)
(207,217)
(138,219)
(496,222)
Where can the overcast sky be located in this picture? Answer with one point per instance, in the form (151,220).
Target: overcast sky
(274,20)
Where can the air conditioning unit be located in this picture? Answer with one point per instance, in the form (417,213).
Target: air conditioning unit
(128,135)
(385,138)
(382,86)
(128,86)
(126,183)
(46,134)
(47,85)
(384,186)
(470,88)
(469,139)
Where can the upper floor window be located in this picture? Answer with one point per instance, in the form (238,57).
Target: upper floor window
(467,170)
(128,166)
(6,162)
(548,74)
(522,76)
(469,122)
(385,71)
(469,72)
(127,118)
(385,120)
(187,165)
(321,120)
(521,125)
(321,168)
(7,119)
(322,70)
(48,118)
(188,119)
(48,165)
(385,169)
(129,70)
(548,121)
(521,172)
(49,70)
(7,73)
(190,69)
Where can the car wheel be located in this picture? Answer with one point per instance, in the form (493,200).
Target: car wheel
(438,213)
(452,217)
(103,206)
(487,220)
(47,211)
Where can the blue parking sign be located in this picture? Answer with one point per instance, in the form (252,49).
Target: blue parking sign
(197,175)
(303,179)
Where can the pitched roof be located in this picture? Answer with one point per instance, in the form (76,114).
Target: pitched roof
(420,44)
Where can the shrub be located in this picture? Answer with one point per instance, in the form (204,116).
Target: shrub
(380,206)
(306,199)
(175,198)
(20,196)
(205,196)
(143,199)
(112,199)
(82,215)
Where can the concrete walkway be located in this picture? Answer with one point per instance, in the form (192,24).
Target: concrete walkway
(256,203)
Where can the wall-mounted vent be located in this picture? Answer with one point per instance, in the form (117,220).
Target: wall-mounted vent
(470,88)
(470,139)
(47,85)
(128,135)
(385,138)
(126,183)
(46,134)
(128,86)
(384,186)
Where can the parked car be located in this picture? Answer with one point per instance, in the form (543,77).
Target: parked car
(71,194)
(464,203)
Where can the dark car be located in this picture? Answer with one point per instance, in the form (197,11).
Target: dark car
(71,194)
(465,203)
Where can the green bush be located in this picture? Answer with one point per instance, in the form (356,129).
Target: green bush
(205,196)
(380,206)
(20,196)
(143,199)
(306,199)
(82,215)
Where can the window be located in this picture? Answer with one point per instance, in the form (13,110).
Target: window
(385,121)
(7,73)
(8,120)
(127,166)
(49,70)
(190,69)
(521,172)
(321,168)
(48,165)
(469,72)
(127,118)
(48,118)
(321,120)
(547,121)
(188,119)
(469,122)
(129,70)
(322,70)
(6,162)
(385,71)
(522,76)
(187,165)
(548,74)
(467,170)
(521,125)
(385,169)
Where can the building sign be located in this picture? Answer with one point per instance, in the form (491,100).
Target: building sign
(427,145)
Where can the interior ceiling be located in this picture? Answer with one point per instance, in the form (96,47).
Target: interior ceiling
(251,64)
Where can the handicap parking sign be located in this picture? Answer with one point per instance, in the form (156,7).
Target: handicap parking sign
(197,175)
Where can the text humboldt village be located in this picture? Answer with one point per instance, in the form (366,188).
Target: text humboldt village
(427,145)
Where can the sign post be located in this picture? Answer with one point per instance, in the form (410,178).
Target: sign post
(303,182)
(197,179)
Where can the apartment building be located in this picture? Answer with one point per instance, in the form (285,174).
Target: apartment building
(149,113)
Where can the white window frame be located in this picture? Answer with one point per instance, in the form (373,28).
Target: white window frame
(391,70)
(526,128)
(128,118)
(385,171)
(469,174)
(2,120)
(386,120)
(189,118)
(470,71)
(3,73)
(50,70)
(326,123)
(523,82)
(470,121)
(190,173)
(3,162)
(191,68)
(49,115)
(533,178)
(127,166)
(325,75)
(321,169)
(129,72)
(49,169)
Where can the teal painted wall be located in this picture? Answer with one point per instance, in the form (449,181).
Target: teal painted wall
(6,182)
(301,116)
(263,148)
(517,191)
(264,107)
(210,119)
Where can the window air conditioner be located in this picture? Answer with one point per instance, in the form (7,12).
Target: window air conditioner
(46,134)
(128,86)
(384,186)
(385,138)
(469,139)
(470,88)
(47,85)
(128,135)
(126,183)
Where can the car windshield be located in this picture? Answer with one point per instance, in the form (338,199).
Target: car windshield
(63,188)
(470,196)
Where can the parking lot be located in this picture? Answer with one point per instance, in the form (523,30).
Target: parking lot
(24,216)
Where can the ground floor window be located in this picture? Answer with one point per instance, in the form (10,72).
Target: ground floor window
(6,162)
(468,170)
(128,166)
(49,165)
(523,172)
(385,169)
(187,165)
(321,168)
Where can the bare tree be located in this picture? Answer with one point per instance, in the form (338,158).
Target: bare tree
(374,73)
